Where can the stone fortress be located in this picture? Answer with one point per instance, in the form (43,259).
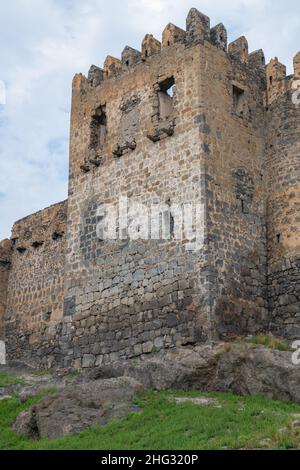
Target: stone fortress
(227,136)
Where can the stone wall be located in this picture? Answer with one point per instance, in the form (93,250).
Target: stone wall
(128,297)
(36,280)
(234,126)
(283,162)
(5,259)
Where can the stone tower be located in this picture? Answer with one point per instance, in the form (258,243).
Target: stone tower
(188,132)
(283,198)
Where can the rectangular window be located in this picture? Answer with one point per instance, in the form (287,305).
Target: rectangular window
(238,100)
(98,129)
(166,98)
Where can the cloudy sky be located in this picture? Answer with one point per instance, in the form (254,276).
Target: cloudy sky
(45,42)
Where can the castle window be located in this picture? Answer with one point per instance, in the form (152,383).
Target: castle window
(172,225)
(245,207)
(166,98)
(238,100)
(278,238)
(98,128)
(271,80)
(169,221)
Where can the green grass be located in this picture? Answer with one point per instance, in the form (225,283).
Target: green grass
(270,342)
(241,422)
(6,380)
(39,373)
(9,410)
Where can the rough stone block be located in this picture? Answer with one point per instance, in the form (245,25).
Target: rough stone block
(197,26)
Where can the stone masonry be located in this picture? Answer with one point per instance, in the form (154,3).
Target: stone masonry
(186,120)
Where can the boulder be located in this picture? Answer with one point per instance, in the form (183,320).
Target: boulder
(79,407)
(26,424)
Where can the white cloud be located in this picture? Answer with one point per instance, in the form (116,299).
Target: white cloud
(45,43)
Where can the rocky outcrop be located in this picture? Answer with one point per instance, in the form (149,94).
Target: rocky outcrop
(241,368)
(79,407)
(107,392)
(27,383)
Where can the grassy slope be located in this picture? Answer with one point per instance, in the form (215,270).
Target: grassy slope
(9,379)
(241,422)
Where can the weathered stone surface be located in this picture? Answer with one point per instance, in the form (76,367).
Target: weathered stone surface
(187,123)
(197,26)
(283,235)
(35,296)
(31,382)
(79,407)
(172,34)
(5,263)
(26,424)
(218,35)
(242,368)
(150,46)
(95,75)
(2,353)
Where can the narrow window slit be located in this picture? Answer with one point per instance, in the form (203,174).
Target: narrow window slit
(238,100)
(166,98)
(98,129)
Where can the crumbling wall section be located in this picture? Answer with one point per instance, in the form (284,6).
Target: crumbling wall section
(5,262)
(36,281)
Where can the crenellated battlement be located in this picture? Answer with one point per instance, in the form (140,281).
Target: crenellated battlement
(171,35)
(257,59)
(41,228)
(278,83)
(218,36)
(150,46)
(156,70)
(197,31)
(238,49)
